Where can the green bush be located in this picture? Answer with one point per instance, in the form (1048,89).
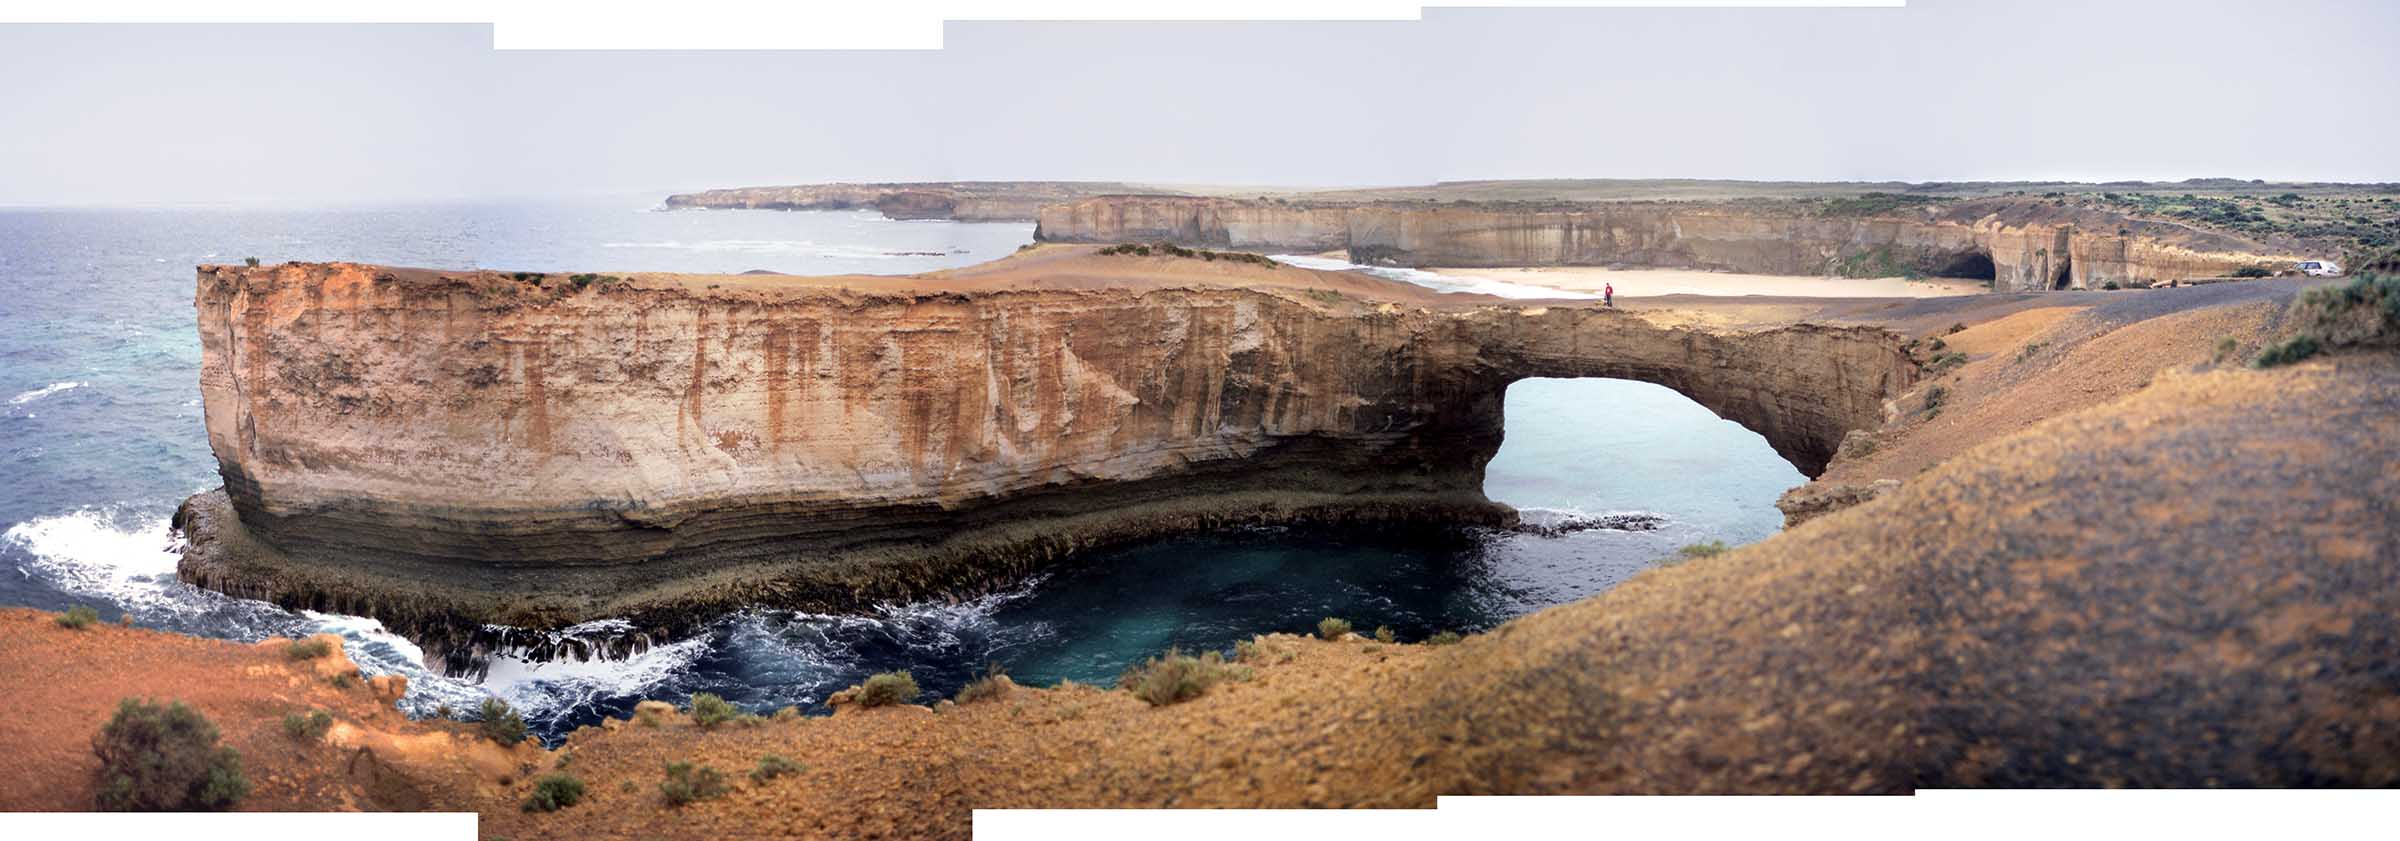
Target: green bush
(710,709)
(1935,396)
(307,728)
(2288,351)
(165,758)
(2252,271)
(554,792)
(78,617)
(1383,633)
(500,723)
(1175,677)
(1332,629)
(1444,638)
(771,766)
(307,649)
(688,783)
(887,689)
(252,262)
(1705,549)
(991,685)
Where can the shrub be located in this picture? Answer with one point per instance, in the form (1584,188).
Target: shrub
(499,722)
(2225,347)
(554,792)
(343,680)
(165,758)
(687,783)
(1958,327)
(307,728)
(887,689)
(771,766)
(2288,351)
(1332,629)
(2252,271)
(252,262)
(993,684)
(1444,638)
(1175,677)
(1943,362)
(1245,651)
(1383,633)
(1706,549)
(710,709)
(2111,285)
(2030,349)
(1934,397)
(78,618)
(307,649)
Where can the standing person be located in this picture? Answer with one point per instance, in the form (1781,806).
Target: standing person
(1608,294)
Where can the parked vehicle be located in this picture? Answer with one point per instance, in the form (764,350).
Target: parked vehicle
(2320,268)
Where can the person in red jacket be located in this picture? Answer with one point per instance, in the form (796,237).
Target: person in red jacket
(1608,294)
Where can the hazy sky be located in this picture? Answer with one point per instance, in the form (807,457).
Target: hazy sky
(1940,90)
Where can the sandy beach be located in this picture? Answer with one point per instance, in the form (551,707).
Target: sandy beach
(1643,283)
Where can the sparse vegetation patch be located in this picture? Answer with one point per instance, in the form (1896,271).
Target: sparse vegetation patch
(165,758)
(309,727)
(993,684)
(771,766)
(1331,628)
(554,792)
(687,783)
(78,617)
(887,689)
(500,723)
(1175,677)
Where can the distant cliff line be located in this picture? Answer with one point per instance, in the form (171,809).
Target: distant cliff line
(964,201)
(2019,244)
(2086,236)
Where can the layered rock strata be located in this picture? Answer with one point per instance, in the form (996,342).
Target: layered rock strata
(445,450)
(2020,244)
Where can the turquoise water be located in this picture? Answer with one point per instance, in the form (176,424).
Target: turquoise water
(100,435)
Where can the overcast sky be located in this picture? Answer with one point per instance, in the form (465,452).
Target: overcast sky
(1940,90)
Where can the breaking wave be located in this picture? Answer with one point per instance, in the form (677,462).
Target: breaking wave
(25,397)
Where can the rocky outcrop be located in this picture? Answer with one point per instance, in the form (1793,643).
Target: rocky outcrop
(448,449)
(2020,244)
(965,201)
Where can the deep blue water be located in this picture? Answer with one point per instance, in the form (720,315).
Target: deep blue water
(100,437)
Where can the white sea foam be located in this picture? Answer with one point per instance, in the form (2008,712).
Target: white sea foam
(23,398)
(94,553)
(1434,281)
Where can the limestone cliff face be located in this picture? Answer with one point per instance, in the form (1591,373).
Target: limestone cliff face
(2021,244)
(965,201)
(447,449)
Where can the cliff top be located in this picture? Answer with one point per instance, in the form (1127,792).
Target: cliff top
(1079,268)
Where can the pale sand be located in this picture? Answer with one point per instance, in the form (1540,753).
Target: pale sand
(1642,283)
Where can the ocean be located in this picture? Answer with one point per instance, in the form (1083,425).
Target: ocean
(101,437)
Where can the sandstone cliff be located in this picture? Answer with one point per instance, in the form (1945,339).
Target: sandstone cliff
(448,449)
(2020,244)
(965,201)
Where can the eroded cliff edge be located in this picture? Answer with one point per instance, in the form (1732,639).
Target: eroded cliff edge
(444,450)
(2020,244)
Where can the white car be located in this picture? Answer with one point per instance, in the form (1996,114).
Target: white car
(2320,268)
